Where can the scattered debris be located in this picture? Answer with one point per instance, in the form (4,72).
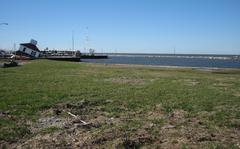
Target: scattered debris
(10,64)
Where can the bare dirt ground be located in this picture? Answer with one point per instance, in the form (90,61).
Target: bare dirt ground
(89,126)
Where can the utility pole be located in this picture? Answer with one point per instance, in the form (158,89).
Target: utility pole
(3,23)
(86,47)
(14,46)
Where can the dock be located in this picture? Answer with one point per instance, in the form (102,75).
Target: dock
(76,59)
(61,58)
(94,57)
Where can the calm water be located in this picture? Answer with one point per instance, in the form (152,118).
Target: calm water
(217,61)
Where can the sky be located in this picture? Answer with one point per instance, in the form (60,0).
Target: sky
(126,26)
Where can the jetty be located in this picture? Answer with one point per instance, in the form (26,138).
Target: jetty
(73,56)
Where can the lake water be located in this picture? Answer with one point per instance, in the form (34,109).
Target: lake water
(216,61)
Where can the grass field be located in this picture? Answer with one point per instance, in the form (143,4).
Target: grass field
(124,106)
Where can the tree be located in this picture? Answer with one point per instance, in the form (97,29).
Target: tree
(91,51)
(78,53)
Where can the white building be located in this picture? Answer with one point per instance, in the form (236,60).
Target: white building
(29,49)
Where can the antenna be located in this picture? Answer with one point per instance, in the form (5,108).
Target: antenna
(72,41)
(86,48)
(14,47)
(174,52)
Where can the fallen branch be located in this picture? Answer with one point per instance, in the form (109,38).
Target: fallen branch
(75,116)
(168,127)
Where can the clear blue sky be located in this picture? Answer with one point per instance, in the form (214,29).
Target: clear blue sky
(137,26)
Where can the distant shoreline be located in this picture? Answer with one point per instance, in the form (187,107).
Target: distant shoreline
(219,57)
(180,54)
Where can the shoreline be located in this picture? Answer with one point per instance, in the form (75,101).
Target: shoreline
(166,66)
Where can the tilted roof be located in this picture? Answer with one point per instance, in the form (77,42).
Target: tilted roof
(30,46)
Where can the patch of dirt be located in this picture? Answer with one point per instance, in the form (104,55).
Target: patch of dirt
(90,126)
(237,94)
(152,115)
(222,84)
(191,82)
(46,122)
(125,80)
(23,62)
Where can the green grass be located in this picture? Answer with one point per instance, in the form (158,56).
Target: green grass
(27,90)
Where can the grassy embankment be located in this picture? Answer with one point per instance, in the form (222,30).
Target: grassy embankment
(129,106)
